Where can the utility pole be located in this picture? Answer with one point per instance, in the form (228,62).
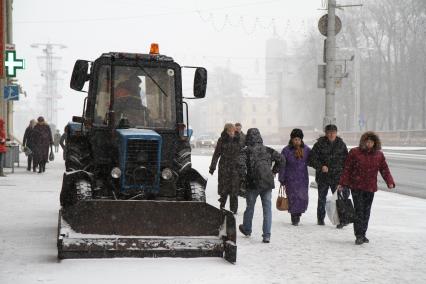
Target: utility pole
(330,116)
(50,94)
(9,36)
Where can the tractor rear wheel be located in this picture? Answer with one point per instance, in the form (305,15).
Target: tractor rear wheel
(77,156)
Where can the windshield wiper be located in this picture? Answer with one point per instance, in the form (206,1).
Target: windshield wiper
(150,77)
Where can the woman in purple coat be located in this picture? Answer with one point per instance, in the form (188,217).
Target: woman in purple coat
(294,175)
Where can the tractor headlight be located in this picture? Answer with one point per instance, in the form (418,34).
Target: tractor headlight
(116,172)
(167,174)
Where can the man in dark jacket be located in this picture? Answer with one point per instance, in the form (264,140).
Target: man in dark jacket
(28,143)
(328,158)
(238,128)
(256,161)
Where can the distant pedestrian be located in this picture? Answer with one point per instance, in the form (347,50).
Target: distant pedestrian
(360,175)
(63,142)
(294,175)
(2,146)
(228,151)
(28,143)
(328,158)
(258,166)
(56,140)
(42,141)
(238,128)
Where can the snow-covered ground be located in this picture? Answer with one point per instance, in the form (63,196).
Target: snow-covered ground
(308,253)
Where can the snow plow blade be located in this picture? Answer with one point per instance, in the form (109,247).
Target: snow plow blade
(115,228)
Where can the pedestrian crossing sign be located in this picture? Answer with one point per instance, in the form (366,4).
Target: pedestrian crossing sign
(11,93)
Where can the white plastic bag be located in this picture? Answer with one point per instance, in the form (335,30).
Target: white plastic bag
(331,209)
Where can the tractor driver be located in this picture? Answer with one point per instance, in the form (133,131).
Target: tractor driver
(129,104)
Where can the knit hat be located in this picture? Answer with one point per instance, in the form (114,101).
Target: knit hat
(296,133)
(40,119)
(330,127)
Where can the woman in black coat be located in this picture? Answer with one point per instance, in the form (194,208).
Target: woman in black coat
(228,150)
(42,138)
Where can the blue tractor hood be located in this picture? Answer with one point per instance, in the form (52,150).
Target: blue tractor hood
(139,148)
(138,133)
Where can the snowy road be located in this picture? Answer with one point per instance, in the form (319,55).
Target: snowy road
(305,254)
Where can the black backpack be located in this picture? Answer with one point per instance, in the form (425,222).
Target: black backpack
(259,168)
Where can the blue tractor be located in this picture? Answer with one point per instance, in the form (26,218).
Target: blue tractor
(129,189)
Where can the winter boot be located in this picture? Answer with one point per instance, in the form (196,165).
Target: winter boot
(365,239)
(359,240)
(320,222)
(266,240)
(294,220)
(243,231)
(43,167)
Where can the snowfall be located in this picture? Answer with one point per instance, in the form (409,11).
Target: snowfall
(307,253)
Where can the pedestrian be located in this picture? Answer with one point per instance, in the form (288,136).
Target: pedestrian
(294,175)
(328,158)
(28,143)
(228,150)
(360,175)
(238,128)
(42,141)
(56,140)
(63,142)
(2,146)
(258,166)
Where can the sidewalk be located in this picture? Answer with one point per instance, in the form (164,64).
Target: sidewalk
(305,254)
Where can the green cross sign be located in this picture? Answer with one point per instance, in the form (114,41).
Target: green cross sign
(12,63)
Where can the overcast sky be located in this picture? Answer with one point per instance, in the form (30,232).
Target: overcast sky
(206,33)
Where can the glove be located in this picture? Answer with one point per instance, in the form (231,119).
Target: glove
(211,171)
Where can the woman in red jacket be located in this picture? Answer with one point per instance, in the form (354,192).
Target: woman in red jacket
(2,146)
(360,175)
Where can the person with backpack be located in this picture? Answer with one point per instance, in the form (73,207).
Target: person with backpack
(294,175)
(258,166)
(228,151)
(328,158)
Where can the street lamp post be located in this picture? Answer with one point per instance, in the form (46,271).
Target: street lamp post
(330,86)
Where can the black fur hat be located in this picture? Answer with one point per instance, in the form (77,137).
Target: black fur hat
(296,133)
(330,127)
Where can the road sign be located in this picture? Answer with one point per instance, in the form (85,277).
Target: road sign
(322,25)
(11,93)
(12,63)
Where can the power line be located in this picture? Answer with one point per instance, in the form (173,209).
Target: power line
(144,15)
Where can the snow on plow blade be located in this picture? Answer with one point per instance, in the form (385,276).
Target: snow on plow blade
(112,228)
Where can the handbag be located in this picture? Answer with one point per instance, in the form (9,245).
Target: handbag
(282,200)
(27,151)
(331,209)
(345,208)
